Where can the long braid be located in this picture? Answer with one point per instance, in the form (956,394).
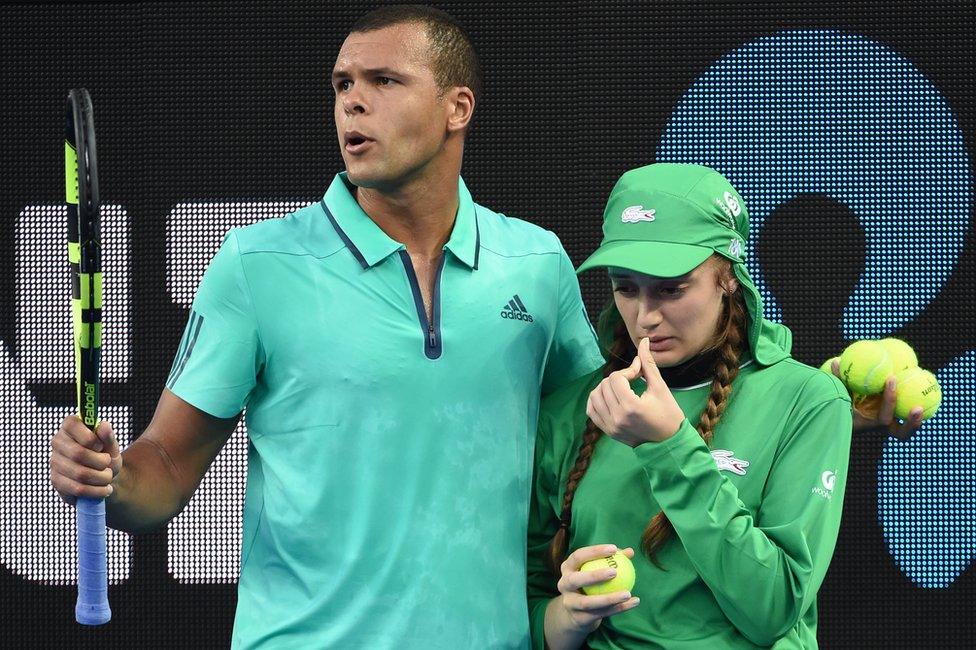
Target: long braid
(622,348)
(730,343)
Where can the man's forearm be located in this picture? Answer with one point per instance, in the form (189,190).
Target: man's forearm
(147,492)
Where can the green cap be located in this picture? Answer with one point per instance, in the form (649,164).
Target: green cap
(666,219)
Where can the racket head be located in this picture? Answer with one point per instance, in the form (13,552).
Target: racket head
(80,135)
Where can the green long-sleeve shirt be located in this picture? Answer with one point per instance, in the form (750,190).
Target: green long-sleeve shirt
(756,515)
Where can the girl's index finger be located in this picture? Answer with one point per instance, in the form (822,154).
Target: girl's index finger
(620,385)
(652,374)
(584,554)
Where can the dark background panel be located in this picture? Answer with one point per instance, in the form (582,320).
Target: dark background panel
(230,101)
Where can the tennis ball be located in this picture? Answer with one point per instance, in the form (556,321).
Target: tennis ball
(864,366)
(917,387)
(624,580)
(826,365)
(901,353)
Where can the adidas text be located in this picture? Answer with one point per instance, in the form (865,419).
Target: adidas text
(516,315)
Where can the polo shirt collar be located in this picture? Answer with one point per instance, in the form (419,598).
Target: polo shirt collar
(465,241)
(367,241)
(370,245)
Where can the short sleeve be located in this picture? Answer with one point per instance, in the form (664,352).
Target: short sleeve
(574,351)
(219,357)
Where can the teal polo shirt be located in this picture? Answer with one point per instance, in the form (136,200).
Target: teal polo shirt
(389,458)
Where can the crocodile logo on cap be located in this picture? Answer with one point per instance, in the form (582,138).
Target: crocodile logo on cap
(636,213)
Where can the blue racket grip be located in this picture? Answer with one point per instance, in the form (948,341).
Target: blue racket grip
(92,607)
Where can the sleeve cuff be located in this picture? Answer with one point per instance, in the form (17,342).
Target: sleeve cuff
(214,404)
(685,441)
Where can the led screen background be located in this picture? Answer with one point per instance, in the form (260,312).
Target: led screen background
(848,128)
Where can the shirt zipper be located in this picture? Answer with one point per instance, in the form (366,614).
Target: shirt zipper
(430,327)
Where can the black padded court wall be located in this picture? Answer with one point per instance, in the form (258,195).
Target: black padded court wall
(848,128)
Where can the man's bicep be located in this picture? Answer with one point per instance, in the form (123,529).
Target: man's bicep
(187,438)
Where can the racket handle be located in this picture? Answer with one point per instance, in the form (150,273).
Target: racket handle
(92,607)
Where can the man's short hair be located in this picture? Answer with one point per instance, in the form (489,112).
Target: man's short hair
(454,60)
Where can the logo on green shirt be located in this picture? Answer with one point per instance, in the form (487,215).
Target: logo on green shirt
(828,479)
(515,310)
(725,460)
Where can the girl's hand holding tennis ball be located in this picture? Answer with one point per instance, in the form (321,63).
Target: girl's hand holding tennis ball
(577,614)
(618,411)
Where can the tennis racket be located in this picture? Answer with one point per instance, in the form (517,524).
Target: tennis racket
(85,261)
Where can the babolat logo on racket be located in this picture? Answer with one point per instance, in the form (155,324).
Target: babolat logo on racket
(90,405)
(515,310)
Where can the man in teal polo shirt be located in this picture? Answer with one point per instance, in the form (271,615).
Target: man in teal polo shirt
(390,345)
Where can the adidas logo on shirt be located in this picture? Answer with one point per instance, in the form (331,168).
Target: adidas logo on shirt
(515,310)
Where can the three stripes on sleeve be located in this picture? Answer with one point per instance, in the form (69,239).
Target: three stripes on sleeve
(189,339)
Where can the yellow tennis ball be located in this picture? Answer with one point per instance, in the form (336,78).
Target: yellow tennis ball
(901,354)
(864,366)
(624,580)
(826,365)
(917,387)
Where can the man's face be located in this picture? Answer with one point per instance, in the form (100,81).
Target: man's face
(389,119)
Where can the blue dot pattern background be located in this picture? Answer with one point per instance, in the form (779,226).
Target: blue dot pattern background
(927,486)
(818,111)
(823,112)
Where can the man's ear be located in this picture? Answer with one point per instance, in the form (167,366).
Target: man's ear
(461,107)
